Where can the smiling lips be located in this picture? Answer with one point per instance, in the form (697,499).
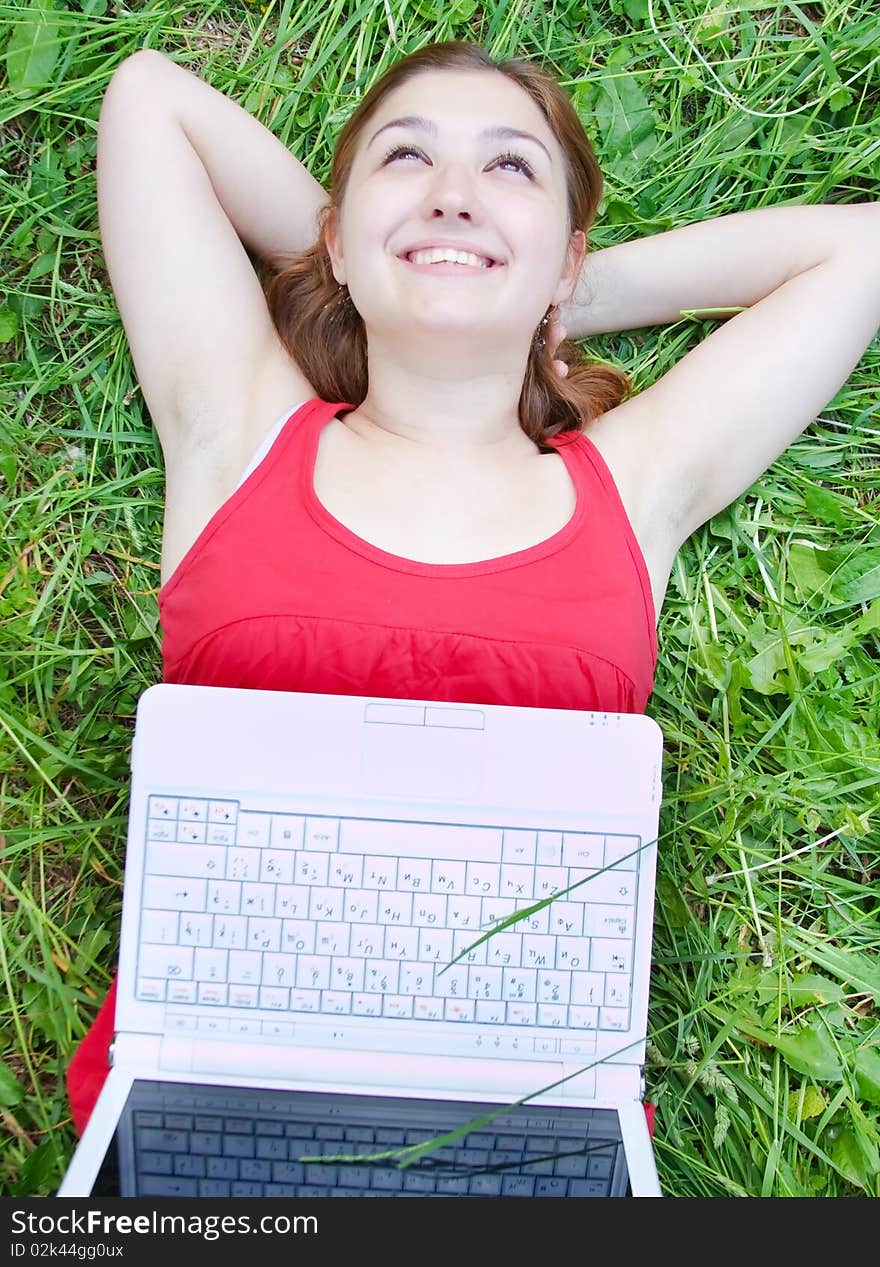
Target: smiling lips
(452,255)
(447,261)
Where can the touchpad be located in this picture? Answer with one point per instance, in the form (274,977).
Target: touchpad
(424,761)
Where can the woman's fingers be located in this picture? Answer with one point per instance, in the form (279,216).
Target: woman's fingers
(556,333)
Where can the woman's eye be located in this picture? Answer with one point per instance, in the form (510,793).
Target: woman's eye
(401,149)
(519,160)
(502,159)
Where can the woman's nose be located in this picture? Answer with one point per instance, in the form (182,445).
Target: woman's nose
(453,191)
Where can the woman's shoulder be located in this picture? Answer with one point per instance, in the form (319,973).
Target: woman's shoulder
(621,436)
(278,384)
(219,446)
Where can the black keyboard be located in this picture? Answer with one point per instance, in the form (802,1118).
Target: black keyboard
(194,1141)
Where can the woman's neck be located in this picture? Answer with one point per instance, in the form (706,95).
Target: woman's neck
(449,416)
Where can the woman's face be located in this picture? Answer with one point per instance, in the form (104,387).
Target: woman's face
(452,182)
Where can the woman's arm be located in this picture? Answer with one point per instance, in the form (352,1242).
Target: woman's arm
(808,281)
(268,195)
(729,262)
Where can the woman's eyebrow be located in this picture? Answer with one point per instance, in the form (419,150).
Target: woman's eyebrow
(425,125)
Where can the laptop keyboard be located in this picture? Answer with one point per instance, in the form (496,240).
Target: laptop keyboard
(194,1141)
(283,913)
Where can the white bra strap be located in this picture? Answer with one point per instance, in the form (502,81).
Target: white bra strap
(266,443)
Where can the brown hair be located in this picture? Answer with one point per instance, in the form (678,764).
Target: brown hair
(326,336)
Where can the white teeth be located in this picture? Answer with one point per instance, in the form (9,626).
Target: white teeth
(435,255)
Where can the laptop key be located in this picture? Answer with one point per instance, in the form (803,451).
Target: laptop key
(588,1188)
(208,1143)
(144,1118)
(189,1165)
(332,1148)
(387,1180)
(288,1172)
(321,1174)
(547,1186)
(213,1187)
(485,1186)
(517,1186)
(164,1141)
(167,1186)
(156,1163)
(415,1182)
(575,1166)
(297,1148)
(269,1128)
(222,1167)
(355,1176)
(271,1149)
(239,1126)
(260,1171)
(244,1189)
(238,1146)
(515,1142)
(540,1144)
(452,1185)
(476,1139)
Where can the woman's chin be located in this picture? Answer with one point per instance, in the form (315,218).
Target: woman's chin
(450,325)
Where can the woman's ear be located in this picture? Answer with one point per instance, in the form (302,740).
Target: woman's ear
(574,262)
(331,237)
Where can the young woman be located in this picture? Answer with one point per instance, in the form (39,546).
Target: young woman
(379,480)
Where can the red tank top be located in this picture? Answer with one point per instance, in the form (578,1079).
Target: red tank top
(277,594)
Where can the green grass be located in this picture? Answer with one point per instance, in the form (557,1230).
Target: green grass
(764,1056)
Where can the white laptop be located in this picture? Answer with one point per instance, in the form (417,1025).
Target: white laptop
(308,1001)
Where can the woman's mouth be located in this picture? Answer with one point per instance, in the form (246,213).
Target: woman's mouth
(448,263)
